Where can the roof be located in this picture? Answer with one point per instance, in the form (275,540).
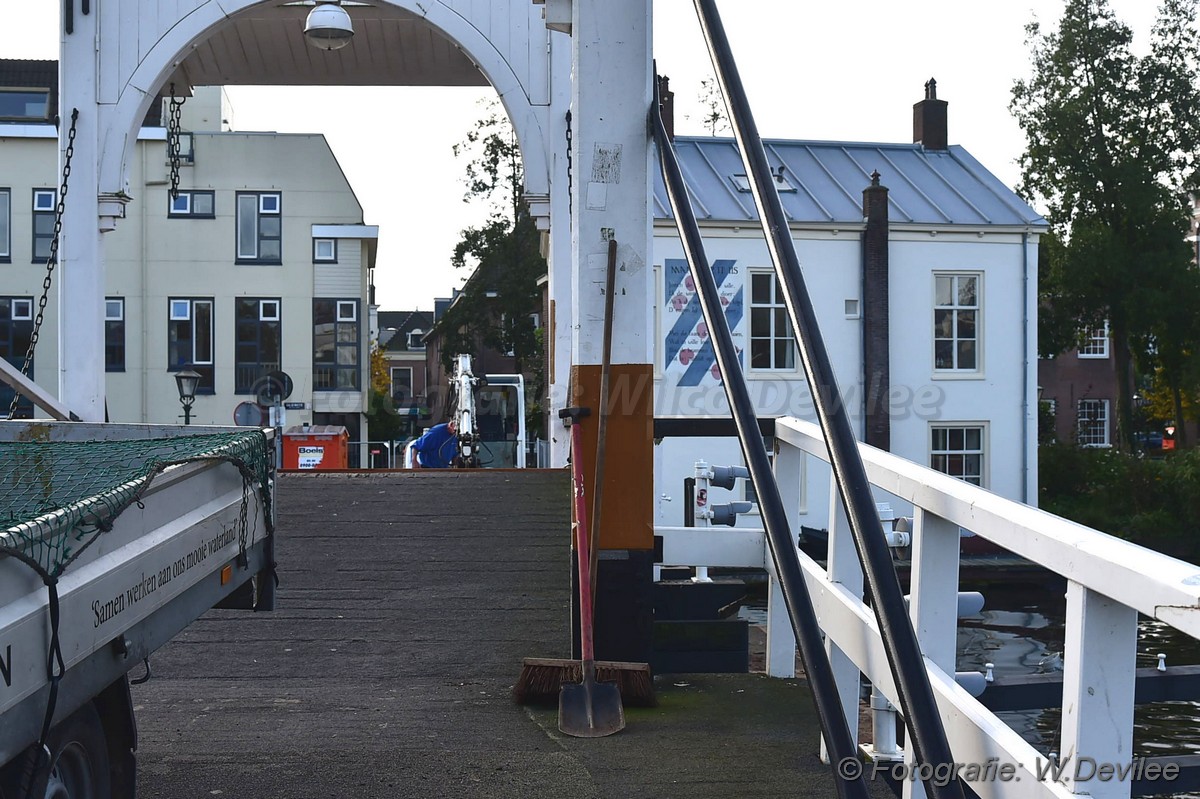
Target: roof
(396,325)
(30,74)
(926,187)
(43,74)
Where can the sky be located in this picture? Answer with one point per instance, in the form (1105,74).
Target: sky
(812,70)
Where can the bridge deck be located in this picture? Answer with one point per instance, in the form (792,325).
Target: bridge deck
(407,602)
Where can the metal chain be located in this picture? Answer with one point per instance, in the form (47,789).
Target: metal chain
(51,261)
(569,165)
(173,140)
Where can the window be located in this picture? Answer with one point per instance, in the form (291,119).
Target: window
(958,451)
(16,329)
(256,342)
(190,338)
(1093,423)
(191,204)
(114,334)
(1095,342)
(402,384)
(414,339)
(44,201)
(325,251)
(24,105)
(335,345)
(5,226)
(259,228)
(956,323)
(772,345)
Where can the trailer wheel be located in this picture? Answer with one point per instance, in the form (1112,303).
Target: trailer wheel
(79,765)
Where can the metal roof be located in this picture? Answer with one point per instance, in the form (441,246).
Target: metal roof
(925,187)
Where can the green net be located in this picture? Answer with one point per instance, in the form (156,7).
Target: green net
(57,497)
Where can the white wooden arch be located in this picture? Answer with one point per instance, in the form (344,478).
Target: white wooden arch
(503,39)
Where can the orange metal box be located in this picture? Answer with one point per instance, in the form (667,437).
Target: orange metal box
(316,447)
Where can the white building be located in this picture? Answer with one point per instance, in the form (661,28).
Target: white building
(932,294)
(260,264)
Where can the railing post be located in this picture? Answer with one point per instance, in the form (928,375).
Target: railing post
(933,602)
(781,639)
(1099,657)
(843,567)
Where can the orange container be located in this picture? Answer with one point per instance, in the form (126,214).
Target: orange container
(317,446)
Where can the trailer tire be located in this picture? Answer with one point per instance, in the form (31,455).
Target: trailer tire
(79,764)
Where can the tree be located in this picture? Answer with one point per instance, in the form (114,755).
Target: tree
(1112,152)
(713,100)
(382,420)
(495,307)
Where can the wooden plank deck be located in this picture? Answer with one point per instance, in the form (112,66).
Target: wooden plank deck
(406,603)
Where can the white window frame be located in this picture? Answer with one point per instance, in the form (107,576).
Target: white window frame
(414,339)
(330,257)
(184,199)
(1102,420)
(982,451)
(392,379)
(852,308)
(41,195)
(183,315)
(114,309)
(776,304)
(268,310)
(22,315)
(352,316)
(269,202)
(976,371)
(1095,343)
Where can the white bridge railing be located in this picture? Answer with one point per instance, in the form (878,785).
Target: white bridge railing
(1109,582)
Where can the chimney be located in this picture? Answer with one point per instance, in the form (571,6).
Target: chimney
(929,120)
(875,324)
(667,98)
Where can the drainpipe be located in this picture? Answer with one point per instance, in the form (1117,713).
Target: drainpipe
(1025,341)
(877,423)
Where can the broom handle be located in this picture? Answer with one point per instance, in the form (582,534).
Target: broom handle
(610,291)
(582,554)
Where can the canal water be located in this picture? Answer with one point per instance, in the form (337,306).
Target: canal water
(1020,631)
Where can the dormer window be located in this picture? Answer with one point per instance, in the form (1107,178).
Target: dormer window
(24,105)
(414,339)
(742,183)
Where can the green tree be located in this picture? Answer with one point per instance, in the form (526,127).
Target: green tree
(504,255)
(1112,151)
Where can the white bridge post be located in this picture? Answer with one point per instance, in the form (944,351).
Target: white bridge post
(80,253)
(843,567)
(781,638)
(933,603)
(1099,658)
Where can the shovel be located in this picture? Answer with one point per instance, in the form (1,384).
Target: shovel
(589,709)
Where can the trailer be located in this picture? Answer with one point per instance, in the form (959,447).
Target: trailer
(113,538)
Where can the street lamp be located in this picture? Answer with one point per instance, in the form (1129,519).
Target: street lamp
(328,26)
(187,381)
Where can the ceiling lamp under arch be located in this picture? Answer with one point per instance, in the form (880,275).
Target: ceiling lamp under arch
(328,26)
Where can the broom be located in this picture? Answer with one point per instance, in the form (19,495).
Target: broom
(541,678)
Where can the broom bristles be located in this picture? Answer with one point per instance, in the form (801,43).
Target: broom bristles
(541,680)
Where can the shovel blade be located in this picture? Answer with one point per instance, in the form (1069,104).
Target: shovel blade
(590,710)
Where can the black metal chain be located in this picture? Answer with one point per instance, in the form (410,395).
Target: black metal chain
(173,140)
(51,260)
(570,200)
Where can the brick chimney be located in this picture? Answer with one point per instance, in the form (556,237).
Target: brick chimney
(875,323)
(667,98)
(929,120)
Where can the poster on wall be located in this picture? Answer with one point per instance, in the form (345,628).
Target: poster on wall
(689,358)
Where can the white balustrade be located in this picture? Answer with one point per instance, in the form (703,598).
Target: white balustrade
(1110,581)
